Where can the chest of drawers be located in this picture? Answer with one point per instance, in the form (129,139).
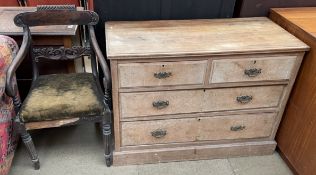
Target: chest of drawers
(199,89)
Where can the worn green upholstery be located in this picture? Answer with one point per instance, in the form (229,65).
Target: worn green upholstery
(62,96)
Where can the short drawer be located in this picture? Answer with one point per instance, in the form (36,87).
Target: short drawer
(242,98)
(160,103)
(161,73)
(191,101)
(252,69)
(197,129)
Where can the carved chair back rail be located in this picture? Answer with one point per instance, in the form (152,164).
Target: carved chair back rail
(85,91)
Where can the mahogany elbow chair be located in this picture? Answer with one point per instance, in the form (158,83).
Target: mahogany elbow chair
(61,99)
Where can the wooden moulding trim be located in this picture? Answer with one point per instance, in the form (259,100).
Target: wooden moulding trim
(206,114)
(194,143)
(287,92)
(207,86)
(116,109)
(50,124)
(201,54)
(193,152)
(177,58)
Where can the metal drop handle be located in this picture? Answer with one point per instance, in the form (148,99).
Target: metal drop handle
(162,75)
(238,128)
(159,133)
(160,104)
(252,72)
(244,99)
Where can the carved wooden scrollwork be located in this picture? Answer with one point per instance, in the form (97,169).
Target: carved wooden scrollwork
(60,53)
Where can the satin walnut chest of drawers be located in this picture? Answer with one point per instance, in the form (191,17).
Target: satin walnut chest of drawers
(199,89)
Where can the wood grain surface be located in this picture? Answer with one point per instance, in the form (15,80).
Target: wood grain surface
(143,74)
(190,101)
(127,40)
(198,129)
(296,136)
(8,27)
(271,68)
(207,95)
(194,152)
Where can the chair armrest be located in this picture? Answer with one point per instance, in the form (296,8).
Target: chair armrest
(11,90)
(100,58)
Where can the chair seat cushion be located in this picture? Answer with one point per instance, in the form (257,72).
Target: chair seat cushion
(62,96)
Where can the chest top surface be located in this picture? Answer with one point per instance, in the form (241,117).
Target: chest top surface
(303,17)
(150,39)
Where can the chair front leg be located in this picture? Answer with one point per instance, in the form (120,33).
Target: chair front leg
(28,142)
(107,137)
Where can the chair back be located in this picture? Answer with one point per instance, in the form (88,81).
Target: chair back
(58,15)
(47,15)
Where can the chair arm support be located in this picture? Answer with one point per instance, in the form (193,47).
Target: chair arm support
(100,58)
(10,89)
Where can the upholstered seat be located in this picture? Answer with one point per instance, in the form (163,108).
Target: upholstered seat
(62,96)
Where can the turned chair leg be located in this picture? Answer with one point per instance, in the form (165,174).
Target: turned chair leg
(106,139)
(106,131)
(28,142)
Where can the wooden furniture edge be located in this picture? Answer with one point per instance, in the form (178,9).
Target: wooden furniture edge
(176,58)
(194,143)
(207,54)
(31,9)
(287,161)
(287,92)
(201,114)
(116,108)
(50,124)
(193,153)
(293,28)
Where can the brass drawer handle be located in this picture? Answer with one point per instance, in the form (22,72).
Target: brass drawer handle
(159,133)
(237,128)
(160,104)
(252,72)
(244,99)
(162,75)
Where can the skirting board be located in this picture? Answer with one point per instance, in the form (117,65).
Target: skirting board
(193,153)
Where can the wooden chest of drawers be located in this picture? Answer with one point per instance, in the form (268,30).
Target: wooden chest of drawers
(199,89)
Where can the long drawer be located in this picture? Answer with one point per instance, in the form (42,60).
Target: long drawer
(191,101)
(252,69)
(197,129)
(161,73)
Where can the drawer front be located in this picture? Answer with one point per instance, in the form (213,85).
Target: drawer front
(242,98)
(252,69)
(162,73)
(160,103)
(190,101)
(197,129)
